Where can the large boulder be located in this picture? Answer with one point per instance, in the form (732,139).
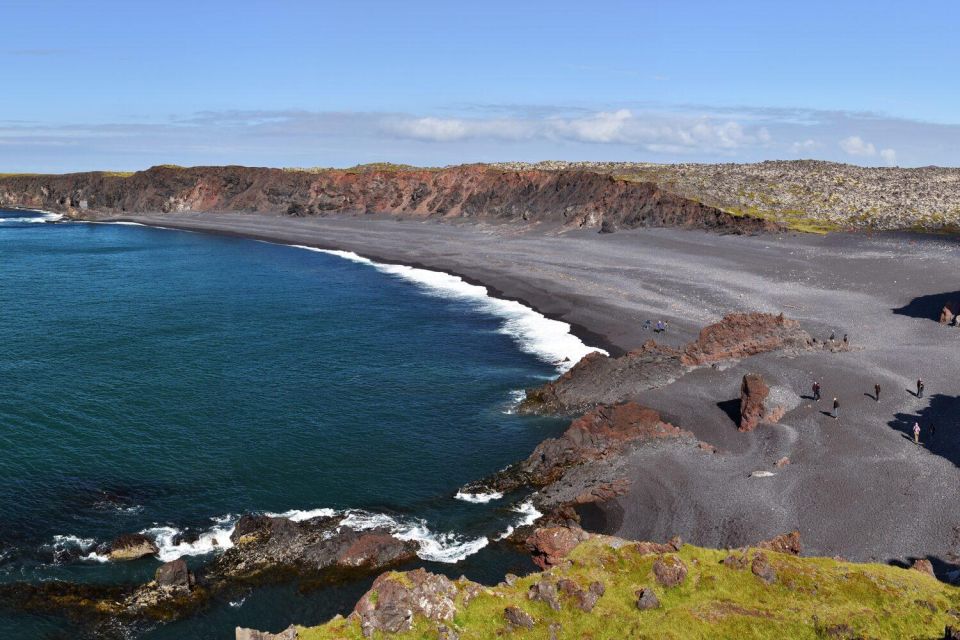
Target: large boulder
(669,570)
(132,546)
(393,601)
(753,395)
(174,574)
(550,545)
(788,543)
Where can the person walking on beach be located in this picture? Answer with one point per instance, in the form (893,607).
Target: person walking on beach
(876,392)
(816,391)
(647,325)
(836,409)
(916,433)
(660,326)
(920,387)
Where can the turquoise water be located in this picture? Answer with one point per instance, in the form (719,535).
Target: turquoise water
(162,381)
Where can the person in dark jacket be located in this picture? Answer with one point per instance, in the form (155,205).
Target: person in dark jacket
(876,392)
(920,388)
(836,409)
(816,390)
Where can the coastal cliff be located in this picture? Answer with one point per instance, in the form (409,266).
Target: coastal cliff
(574,198)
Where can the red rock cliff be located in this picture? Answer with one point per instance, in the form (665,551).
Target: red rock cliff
(575,198)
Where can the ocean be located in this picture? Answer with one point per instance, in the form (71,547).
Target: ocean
(165,382)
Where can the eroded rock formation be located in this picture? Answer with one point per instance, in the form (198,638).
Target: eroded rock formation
(599,379)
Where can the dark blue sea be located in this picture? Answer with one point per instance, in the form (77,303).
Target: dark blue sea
(161,381)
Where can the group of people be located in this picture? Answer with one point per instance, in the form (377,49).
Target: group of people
(835,412)
(660,327)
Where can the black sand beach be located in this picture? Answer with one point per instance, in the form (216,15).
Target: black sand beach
(857,487)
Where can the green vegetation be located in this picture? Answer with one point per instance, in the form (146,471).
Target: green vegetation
(811,598)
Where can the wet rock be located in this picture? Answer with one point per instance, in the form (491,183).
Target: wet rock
(549,546)
(546,592)
(784,543)
(923,566)
(761,568)
(250,634)
(647,599)
(132,546)
(174,574)
(753,395)
(394,600)
(517,617)
(374,549)
(669,570)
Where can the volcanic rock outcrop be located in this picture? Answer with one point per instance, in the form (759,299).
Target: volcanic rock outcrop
(599,379)
(572,198)
(753,395)
(267,549)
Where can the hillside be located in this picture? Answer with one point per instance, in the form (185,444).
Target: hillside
(611,588)
(803,193)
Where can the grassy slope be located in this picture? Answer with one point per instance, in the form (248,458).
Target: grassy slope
(812,598)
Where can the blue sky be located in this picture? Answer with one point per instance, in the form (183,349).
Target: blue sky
(125,85)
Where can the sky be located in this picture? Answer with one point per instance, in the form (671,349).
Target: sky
(102,85)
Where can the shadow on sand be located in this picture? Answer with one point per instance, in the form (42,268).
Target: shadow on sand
(732,409)
(942,412)
(928,307)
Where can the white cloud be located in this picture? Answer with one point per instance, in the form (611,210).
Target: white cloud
(857,146)
(889,156)
(806,146)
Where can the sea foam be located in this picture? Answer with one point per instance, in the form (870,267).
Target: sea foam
(46,216)
(549,340)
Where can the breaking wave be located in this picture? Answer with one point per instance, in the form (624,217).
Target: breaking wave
(534,333)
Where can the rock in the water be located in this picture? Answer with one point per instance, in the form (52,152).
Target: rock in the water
(250,634)
(753,394)
(783,543)
(550,545)
(132,546)
(647,599)
(669,570)
(174,574)
(761,568)
(517,617)
(392,602)
(923,566)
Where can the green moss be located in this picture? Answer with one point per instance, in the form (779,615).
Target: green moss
(812,597)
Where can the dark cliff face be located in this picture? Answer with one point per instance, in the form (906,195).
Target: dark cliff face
(575,198)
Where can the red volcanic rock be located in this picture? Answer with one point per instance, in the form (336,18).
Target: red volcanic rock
(761,568)
(753,394)
(377,548)
(575,198)
(739,335)
(392,602)
(594,435)
(647,548)
(669,570)
(923,566)
(783,543)
(598,379)
(549,546)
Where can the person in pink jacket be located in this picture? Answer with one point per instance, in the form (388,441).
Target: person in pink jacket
(916,432)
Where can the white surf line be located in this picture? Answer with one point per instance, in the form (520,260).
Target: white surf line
(534,333)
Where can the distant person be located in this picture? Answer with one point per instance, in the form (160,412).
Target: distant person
(660,326)
(920,388)
(833,336)
(845,341)
(647,325)
(836,409)
(916,432)
(876,392)
(816,391)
